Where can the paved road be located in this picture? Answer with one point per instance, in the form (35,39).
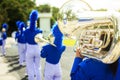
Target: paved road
(12,60)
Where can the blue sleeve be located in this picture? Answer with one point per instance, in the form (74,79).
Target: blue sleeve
(44,52)
(77,72)
(1,41)
(62,49)
(75,64)
(16,35)
(118,71)
(39,30)
(4,36)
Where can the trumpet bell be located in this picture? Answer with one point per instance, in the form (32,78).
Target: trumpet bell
(39,38)
(96,33)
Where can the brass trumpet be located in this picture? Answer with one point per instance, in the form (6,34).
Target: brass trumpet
(39,39)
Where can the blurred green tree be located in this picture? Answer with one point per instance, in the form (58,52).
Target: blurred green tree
(54,11)
(102,9)
(44,8)
(48,9)
(13,10)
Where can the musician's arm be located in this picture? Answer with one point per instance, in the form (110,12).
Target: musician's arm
(77,73)
(44,52)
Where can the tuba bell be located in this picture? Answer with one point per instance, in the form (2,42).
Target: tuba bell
(96,32)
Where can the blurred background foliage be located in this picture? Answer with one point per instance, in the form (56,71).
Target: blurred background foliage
(13,10)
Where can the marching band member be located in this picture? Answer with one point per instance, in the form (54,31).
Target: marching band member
(17,33)
(21,44)
(32,52)
(4,37)
(53,55)
(93,69)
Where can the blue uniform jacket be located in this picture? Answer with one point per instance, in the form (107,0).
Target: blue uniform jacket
(52,53)
(90,69)
(21,38)
(29,35)
(4,36)
(16,35)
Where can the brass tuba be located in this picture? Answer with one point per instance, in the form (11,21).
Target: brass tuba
(96,32)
